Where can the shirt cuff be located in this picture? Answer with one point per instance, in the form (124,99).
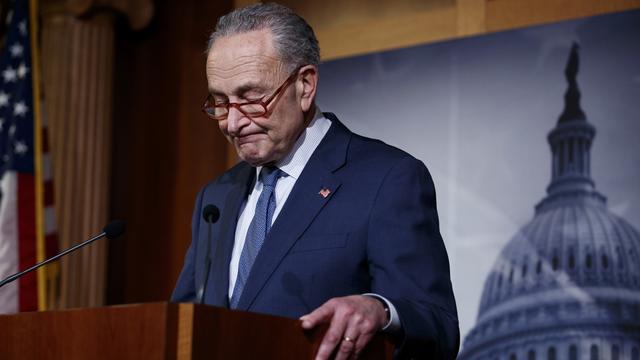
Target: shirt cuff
(394,326)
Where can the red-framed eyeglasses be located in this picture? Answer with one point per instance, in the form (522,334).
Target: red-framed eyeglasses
(256,108)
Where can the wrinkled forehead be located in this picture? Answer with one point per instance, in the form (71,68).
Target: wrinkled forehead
(240,56)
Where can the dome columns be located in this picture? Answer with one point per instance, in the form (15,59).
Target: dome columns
(570,145)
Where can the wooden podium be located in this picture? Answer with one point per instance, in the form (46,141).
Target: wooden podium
(161,331)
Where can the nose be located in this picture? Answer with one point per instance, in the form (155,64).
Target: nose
(236,120)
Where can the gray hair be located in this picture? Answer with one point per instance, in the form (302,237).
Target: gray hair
(293,38)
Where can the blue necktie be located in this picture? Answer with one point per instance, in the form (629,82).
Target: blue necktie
(258,229)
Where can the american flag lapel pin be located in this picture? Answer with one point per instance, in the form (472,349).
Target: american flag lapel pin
(324,192)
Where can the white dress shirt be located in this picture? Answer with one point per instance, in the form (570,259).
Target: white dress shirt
(292,166)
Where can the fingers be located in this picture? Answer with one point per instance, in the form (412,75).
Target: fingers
(334,335)
(353,344)
(361,330)
(361,342)
(321,315)
(346,348)
(353,321)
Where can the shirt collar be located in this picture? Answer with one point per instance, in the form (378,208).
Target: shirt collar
(294,162)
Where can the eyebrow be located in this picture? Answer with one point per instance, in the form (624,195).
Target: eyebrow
(240,89)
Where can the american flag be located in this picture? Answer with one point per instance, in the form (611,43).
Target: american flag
(20,244)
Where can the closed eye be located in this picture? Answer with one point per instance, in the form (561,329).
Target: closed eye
(241,100)
(255,100)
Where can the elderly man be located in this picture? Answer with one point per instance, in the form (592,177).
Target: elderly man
(316,222)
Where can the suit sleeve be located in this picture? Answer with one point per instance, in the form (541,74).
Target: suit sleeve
(185,290)
(409,263)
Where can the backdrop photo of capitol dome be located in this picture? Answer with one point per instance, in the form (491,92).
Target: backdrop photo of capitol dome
(532,138)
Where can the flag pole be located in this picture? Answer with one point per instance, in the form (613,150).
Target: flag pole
(37,136)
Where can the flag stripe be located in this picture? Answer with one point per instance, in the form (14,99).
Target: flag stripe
(47,174)
(48,193)
(50,220)
(27,247)
(45,140)
(9,243)
(52,244)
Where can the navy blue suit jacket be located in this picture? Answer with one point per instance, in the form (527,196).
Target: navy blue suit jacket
(377,231)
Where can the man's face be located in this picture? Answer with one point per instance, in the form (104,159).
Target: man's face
(246,67)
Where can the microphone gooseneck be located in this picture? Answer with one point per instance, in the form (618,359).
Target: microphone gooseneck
(111,231)
(211,214)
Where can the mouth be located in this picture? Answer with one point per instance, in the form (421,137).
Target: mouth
(246,139)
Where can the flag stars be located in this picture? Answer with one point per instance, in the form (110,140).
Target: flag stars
(12,130)
(19,109)
(22,26)
(9,74)
(22,70)
(20,147)
(4,99)
(1,124)
(16,50)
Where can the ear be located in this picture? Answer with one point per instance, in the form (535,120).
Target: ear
(307,86)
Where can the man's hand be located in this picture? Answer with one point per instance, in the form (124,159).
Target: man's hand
(353,321)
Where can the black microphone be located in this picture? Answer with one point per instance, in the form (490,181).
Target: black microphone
(211,214)
(111,231)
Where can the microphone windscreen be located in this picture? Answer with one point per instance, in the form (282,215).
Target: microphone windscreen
(210,213)
(114,229)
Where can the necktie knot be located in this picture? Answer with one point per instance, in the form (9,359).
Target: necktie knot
(269,176)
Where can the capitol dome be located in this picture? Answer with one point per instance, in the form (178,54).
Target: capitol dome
(567,285)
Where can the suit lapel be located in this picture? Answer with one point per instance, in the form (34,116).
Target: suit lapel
(235,197)
(307,198)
